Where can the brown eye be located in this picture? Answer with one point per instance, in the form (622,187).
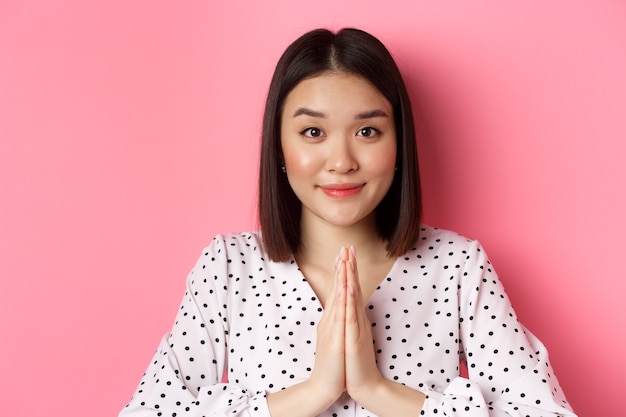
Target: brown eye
(312,132)
(368,132)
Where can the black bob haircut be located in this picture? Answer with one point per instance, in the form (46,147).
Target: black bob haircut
(351,51)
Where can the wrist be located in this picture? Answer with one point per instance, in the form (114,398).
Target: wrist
(305,399)
(322,391)
(363,394)
(389,398)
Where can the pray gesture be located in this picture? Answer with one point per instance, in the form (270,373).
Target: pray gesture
(362,374)
(345,359)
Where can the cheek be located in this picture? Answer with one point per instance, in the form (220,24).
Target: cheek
(383,160)
(298,161)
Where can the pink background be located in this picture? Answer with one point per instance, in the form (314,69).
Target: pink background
(129,136)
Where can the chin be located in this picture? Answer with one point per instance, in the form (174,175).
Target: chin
(345,221)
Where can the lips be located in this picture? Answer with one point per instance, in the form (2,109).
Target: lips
(343,190)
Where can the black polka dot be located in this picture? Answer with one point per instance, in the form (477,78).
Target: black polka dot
(439,305)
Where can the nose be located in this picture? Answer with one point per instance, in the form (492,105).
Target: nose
(341,158)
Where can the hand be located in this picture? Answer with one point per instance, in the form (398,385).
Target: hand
(328,375)
(345,359)
(362,374)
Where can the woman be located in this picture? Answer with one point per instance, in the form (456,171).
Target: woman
(344,303)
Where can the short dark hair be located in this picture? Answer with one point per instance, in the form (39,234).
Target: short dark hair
(353,51)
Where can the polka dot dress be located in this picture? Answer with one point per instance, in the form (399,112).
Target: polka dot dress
(255,320)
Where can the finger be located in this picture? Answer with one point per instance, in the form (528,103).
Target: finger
(353,276)
(338,298)
(352,312)
(336,284)
(341,296)
(329,362)
(355,284)
(342,277)
(344,254)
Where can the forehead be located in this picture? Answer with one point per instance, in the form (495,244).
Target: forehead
(335,92)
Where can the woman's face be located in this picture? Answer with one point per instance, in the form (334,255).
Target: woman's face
(339,143)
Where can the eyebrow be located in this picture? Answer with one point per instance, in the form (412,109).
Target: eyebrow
(370,114)
(308,112)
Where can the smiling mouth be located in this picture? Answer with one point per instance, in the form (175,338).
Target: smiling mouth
(342,190)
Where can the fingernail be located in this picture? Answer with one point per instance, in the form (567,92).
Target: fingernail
(353,250)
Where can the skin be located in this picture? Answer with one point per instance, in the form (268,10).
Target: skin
(339,143)
(337,131)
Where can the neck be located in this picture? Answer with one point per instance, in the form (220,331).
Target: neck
(321,242)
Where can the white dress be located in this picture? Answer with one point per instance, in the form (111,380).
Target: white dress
(255,320)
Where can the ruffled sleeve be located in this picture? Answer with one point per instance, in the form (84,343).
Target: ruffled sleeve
(509,373)
(185,376)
